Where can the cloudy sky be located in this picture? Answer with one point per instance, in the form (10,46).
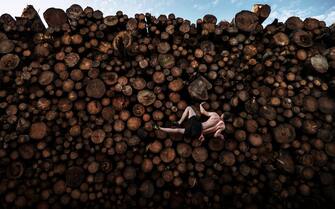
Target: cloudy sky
(188,9)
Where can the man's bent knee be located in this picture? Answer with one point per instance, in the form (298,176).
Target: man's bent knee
(188,108)
(191,113)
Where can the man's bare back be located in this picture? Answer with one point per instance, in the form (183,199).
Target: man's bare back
(214,123)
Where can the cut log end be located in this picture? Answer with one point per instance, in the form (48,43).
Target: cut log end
(262,11)
(55,17)
(9,62)
(246,21)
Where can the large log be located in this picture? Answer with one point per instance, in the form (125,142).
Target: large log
(246,21)
(55,17)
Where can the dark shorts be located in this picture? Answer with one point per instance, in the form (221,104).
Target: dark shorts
(192,121)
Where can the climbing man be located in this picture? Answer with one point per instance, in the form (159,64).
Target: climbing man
(194,128)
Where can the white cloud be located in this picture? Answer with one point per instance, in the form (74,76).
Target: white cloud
(274,6)
(197,6)
(283,13)
(215,2)
(131,7)
(328,16)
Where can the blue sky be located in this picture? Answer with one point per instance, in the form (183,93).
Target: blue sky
(188,9)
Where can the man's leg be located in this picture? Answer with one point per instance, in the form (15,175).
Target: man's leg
(208,114)
(191,113)
(188,112)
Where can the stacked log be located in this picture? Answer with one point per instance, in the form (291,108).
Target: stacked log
(78,101)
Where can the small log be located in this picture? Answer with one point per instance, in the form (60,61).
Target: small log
(156,147)
(176,85)
(146,97)
(122,41)
(286,163)
(147,189)
(74,176)
(262,11)
(147,165)
(38,130)
(9,62)
(284,133)
(326,105)
(111,20)
(184,150)
(8,22)
(302,38)
(163,47)
(294,23)
(74,11)
(319,63)
(255,139)
(200,154)
(6,46)
(134,123)
(167,155)
(93,167)
(71,59)
(227,158)
(35,21)
(59,187)
(310,104)
(95,88)
(15,170)
(166,60)
(27,151)
(281,39)
(330,149)
(98,136)
(46,78)
(216,144)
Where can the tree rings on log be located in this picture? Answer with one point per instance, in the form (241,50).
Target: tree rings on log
(246,21)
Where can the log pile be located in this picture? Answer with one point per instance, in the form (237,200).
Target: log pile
(79,98)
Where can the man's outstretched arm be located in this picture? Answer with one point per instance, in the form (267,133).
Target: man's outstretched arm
(173,130)
(218,134)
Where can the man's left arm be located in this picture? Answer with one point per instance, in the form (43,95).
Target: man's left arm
(218,134)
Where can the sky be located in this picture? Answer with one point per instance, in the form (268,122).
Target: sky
(188,9)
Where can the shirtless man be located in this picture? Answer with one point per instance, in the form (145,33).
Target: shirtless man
(194,128)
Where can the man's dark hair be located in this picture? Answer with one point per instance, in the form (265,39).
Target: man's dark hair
(193,128)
